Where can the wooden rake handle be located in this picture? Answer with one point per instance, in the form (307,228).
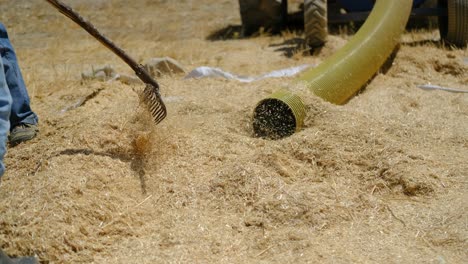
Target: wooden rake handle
(138,68)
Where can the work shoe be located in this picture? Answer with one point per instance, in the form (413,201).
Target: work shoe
(22,133)
(4,259)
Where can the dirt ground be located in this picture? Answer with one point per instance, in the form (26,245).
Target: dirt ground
(382,179)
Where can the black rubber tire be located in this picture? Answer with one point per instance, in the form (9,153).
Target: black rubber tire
(454,28)
(256,14)
(315,22)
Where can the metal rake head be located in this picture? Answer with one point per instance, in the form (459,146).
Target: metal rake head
(153,101)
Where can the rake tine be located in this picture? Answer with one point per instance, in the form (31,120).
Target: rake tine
(151,96)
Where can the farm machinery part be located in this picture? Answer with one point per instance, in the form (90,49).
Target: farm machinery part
(342,75)
(151,96)
(317,14)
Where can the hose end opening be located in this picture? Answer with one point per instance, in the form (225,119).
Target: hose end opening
(278,116)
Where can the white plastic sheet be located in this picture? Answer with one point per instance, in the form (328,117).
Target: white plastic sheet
(204,72)
(436,87)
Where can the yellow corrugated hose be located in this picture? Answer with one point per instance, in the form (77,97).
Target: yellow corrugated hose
(342,75)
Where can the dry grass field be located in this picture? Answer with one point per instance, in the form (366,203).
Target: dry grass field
(382,179)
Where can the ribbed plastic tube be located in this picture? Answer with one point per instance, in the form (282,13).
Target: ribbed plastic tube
(342,75)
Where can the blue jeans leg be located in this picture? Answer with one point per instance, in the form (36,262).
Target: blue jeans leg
(21,112)
(5,106)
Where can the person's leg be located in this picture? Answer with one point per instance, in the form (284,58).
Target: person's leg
(23,121)
(5,106)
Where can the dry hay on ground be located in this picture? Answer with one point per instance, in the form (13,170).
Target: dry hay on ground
(380,179)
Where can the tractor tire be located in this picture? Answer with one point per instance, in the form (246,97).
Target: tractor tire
(454,28)
(315,22)
(257,14)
